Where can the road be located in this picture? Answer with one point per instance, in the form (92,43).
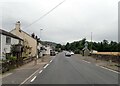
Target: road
(69,70)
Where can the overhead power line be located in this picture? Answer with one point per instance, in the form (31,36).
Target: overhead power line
(45,14)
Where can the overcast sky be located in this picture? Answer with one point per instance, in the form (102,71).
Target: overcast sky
(71,21)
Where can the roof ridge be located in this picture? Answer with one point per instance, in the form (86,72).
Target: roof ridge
(9,34)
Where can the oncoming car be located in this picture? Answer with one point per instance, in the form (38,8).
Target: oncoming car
(67,54)
(72,53)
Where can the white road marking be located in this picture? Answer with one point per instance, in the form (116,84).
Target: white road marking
(3,76)
(108,69)
(46,66)
(41,71)
(33,74)
(86,61)
(67,57)
(33,79)
(51,61)
(29,77)
(97,65)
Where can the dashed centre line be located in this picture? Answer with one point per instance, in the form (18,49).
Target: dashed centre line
(46,66)
(35,73)
(50,61)
(29,77)
(41,71)
(33,79)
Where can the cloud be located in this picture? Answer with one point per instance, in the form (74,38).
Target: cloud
(73,20)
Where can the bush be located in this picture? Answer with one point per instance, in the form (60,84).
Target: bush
(12,58)
(77,51)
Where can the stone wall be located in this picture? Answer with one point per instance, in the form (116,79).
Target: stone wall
(113,58)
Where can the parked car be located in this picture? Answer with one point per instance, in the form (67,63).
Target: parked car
(56,52)
(52,53)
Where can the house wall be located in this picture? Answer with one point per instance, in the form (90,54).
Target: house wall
(31,41)
(48,48)
(6,48)
(39,48)
(0,46)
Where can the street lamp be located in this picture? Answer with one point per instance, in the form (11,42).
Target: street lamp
(40,33)
(91,43)
(41,51)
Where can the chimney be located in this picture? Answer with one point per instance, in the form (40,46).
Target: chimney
(17,26)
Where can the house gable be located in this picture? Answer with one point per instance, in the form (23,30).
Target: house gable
(3,32)
(30,41)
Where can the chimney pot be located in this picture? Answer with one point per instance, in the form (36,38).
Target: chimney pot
(17,26)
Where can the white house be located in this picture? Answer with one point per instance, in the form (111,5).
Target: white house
(6,40)
(48,49)
(44,50)
(40,49)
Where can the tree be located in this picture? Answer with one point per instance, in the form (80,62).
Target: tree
(67,46)
(103,46)
(33,35)
(58,47)
(83,41)
(118,47)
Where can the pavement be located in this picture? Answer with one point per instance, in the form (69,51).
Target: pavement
(19,75)
(70,70)
(62,70)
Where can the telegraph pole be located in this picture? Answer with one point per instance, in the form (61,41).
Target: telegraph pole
(42,59)
(40,33)
(91,42)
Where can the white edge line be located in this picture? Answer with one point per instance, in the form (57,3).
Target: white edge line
(46,66)
(41,71)
(67,57)
(33,79)
(86,61)
(3,76)
(32,75)
(29,77)
(107,69)
(97,65)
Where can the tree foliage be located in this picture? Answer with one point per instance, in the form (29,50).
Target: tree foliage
(103,46)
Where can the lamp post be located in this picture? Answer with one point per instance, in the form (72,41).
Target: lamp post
(41,33)
(41,51)
(91,43)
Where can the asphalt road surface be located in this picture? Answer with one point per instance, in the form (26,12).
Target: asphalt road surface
(68,70)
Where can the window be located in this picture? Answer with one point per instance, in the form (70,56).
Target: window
(8,40)
(20,42)
(19,30)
